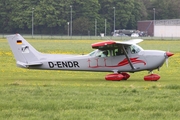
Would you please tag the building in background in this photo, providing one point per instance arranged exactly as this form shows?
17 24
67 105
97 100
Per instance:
161 28
146 26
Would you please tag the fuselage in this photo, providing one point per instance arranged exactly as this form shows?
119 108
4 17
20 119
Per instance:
142 60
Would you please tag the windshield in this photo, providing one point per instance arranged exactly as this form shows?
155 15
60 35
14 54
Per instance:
93 53
135 49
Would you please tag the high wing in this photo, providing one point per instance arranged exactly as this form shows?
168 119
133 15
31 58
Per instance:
115 44
134 41
110 43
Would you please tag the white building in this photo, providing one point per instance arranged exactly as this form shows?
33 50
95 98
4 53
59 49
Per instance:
161 28
167 28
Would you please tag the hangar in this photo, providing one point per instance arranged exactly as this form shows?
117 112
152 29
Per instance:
161 28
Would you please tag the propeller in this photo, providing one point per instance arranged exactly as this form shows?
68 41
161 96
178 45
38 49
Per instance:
166 62
168 54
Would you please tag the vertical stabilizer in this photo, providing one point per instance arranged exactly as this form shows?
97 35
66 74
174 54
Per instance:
22 50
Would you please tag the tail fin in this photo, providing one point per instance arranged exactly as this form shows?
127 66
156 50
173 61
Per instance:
23 52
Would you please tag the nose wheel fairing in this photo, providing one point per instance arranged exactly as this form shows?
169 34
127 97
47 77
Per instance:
152 77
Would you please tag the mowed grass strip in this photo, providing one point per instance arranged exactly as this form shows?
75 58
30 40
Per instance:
35 94
89 102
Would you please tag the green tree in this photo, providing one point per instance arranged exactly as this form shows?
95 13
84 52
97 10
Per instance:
138 13
127 12
81 26
165 9
7 16
52 16
87 10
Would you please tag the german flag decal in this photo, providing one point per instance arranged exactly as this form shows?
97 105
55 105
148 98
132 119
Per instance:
19 41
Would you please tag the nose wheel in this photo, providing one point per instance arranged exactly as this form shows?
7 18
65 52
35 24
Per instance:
152 77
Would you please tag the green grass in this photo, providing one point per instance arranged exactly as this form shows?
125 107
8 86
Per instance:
67 95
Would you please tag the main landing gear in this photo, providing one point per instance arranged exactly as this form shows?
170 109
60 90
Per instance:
117 76
125 76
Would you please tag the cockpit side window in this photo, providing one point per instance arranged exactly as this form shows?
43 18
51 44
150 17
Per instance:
118 51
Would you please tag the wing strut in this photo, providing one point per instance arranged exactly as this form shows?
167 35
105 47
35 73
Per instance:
128 58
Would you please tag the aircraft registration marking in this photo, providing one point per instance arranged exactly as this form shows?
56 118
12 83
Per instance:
64 64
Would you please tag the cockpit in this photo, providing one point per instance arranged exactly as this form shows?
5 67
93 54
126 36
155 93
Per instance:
116 51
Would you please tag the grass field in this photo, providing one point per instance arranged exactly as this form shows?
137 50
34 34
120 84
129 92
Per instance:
66 95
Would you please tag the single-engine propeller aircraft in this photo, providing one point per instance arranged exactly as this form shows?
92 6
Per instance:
109 56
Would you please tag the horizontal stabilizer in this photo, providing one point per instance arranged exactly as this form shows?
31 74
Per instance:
34 64
21 64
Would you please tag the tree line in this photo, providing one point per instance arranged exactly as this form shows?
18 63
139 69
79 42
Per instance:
88 17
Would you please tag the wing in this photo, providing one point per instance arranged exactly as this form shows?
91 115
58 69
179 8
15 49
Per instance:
110 43
133 41
103 44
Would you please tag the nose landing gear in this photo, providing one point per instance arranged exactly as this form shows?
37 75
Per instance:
152 77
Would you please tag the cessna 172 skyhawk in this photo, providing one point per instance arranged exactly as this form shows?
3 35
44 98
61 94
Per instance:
109 56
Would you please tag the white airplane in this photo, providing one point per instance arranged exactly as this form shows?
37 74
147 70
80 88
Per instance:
109 56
